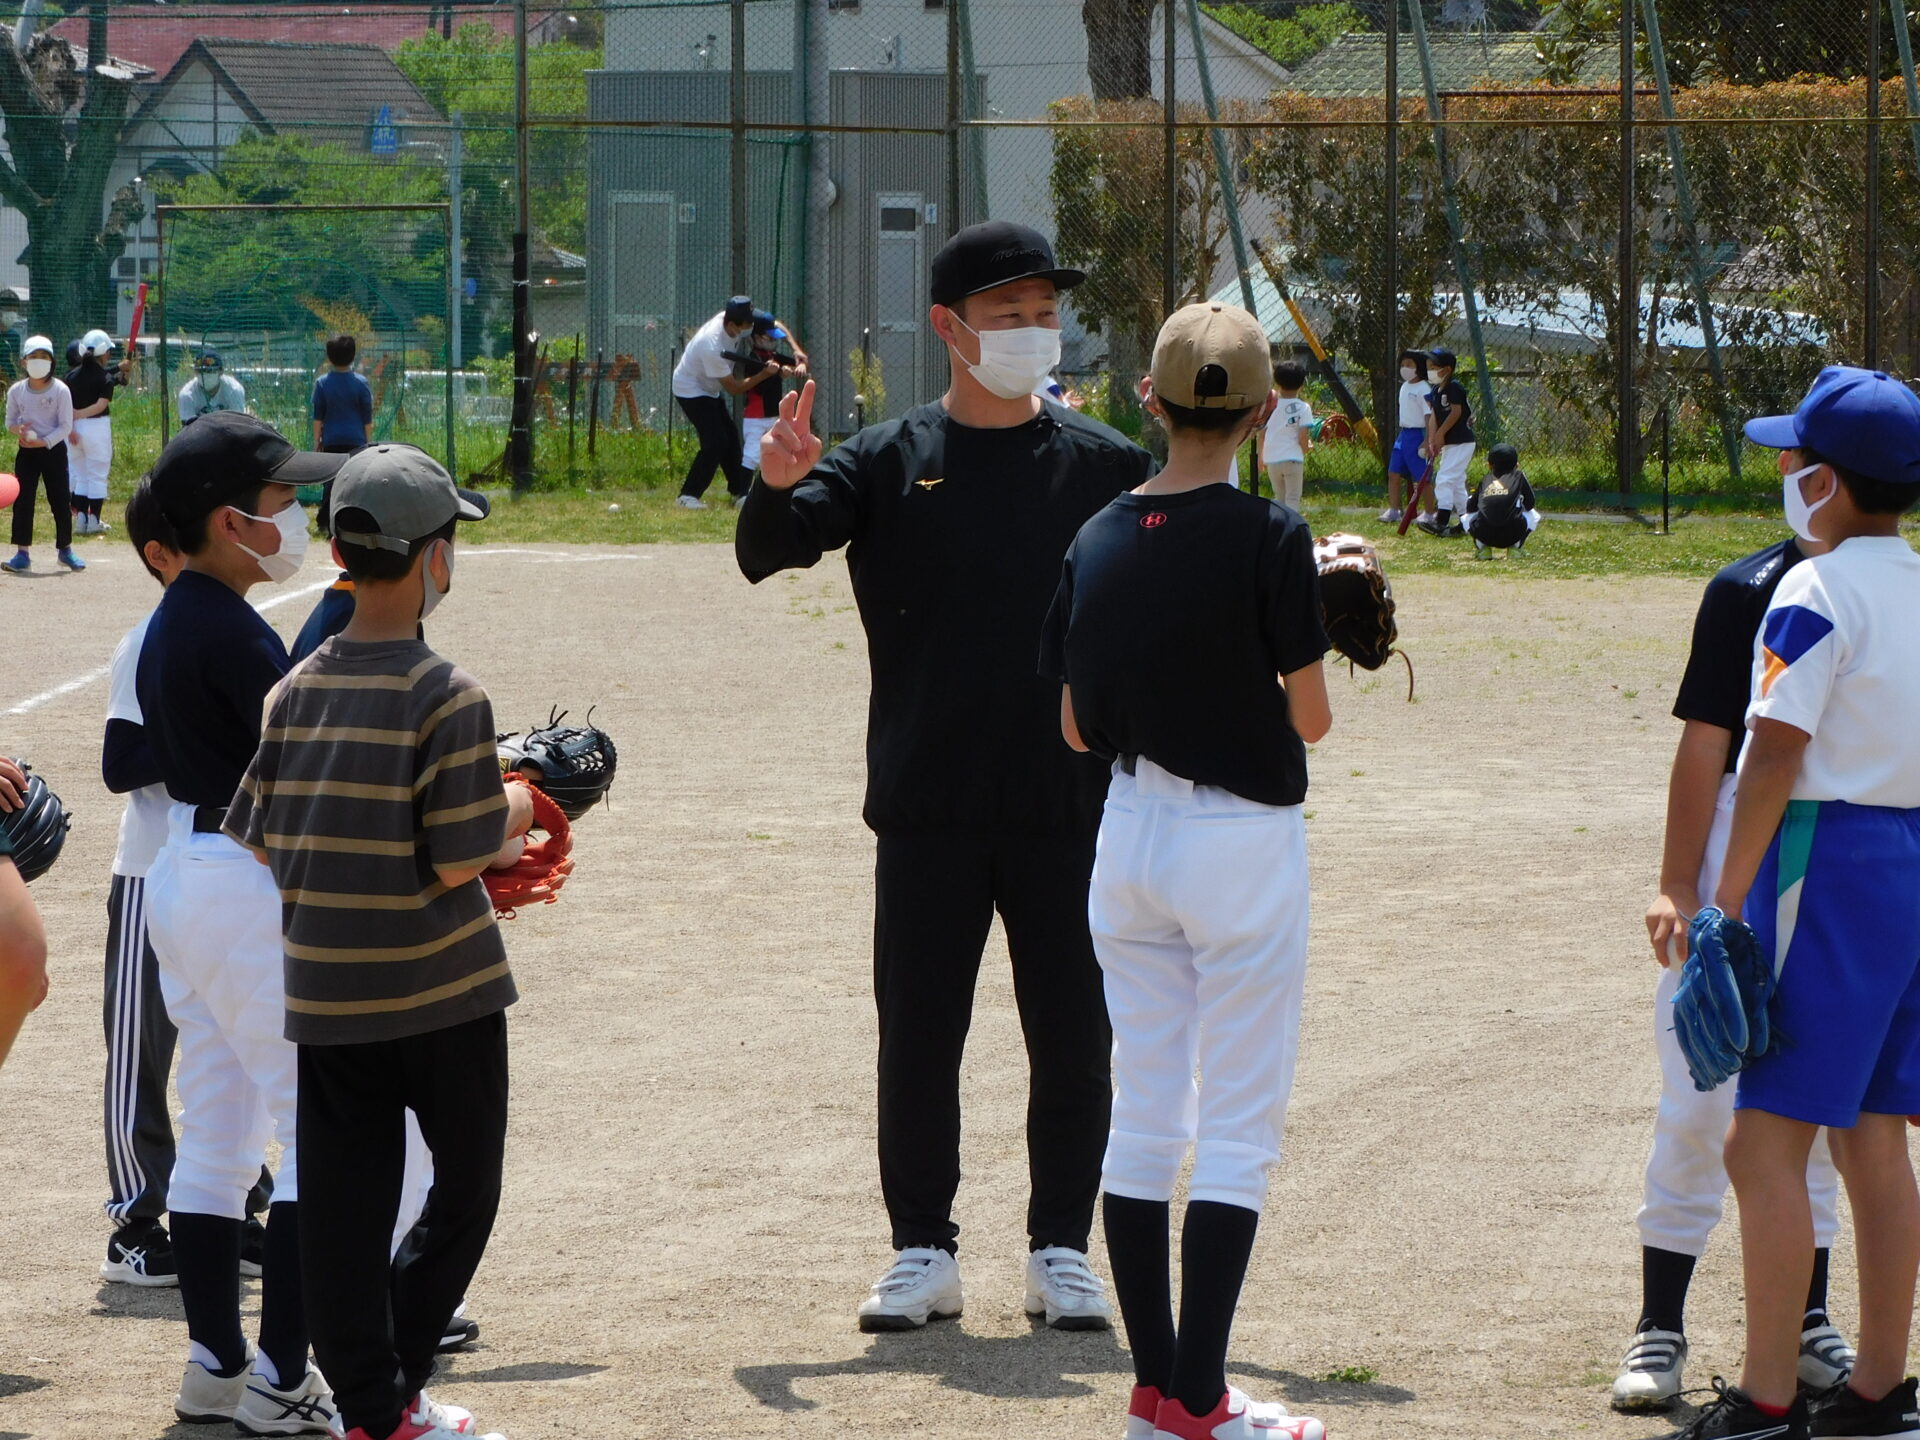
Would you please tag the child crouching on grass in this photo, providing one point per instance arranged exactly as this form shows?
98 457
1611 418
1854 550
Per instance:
1502 512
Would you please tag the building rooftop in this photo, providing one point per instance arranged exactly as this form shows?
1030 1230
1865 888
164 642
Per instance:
1356 63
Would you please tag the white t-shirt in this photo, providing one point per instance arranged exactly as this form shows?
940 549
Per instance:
1836 657
706 359
1282 440
143 824
1415 407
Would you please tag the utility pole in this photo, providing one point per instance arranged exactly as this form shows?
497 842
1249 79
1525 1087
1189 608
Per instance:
1627 458
520 435
1170 191
738 166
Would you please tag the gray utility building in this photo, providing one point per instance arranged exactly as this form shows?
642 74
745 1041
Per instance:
659 221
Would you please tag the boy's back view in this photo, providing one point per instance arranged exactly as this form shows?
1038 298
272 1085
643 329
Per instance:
1187 633
342 402
376 800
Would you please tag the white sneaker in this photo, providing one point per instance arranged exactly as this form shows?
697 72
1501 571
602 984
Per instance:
306 1409
1389 517
1062 1286
1649 1376
1236 1418
207 1399
1825 1357
690 502
923 1285
425 1410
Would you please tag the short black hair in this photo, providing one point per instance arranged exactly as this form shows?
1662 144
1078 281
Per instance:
341 349
1419 359
144 522
1201 422
1289 374
366 562
1503 459
192 534
1870 496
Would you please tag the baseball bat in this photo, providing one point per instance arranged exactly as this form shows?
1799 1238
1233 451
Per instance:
1420 487
1363 427
139 314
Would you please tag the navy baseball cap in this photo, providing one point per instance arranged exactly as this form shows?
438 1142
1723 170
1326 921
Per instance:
1862 420
739 310
1444 358
995 253
765 324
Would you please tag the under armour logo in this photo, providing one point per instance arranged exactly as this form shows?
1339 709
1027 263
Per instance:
1153 519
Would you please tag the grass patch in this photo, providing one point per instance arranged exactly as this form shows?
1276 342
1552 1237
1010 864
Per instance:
1352 1375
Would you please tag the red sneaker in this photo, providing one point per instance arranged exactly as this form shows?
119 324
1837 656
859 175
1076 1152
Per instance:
1141 1411
1235 1418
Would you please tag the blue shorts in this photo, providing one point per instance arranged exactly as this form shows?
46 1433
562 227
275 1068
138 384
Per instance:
1846 1015
1406 458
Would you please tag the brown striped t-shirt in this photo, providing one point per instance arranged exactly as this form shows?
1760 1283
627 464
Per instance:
377 762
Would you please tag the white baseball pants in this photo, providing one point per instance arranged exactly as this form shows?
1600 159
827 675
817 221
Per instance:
90 457
753 430
213 915
1450 477
1199 916
1686 1186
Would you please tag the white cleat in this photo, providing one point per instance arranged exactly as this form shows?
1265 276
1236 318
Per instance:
1062 1286
923 1284
690 502
1649 1376
1825 1358
306 1409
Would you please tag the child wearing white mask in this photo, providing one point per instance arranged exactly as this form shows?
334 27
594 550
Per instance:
1408 461
210 391
40 415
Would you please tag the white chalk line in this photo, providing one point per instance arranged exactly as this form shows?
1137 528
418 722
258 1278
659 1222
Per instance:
274 602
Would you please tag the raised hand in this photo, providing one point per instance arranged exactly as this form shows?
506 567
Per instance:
790 450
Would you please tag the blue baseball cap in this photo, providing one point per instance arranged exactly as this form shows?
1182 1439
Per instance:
1862 420
765 324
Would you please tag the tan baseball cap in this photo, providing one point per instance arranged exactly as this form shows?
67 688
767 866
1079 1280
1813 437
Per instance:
1212 357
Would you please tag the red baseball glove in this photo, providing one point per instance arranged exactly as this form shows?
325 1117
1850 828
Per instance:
543 867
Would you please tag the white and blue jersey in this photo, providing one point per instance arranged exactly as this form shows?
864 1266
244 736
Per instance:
1837 901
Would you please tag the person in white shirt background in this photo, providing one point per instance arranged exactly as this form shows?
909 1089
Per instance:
211 389
1288 436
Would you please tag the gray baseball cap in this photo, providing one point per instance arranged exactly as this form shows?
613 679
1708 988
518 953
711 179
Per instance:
408 493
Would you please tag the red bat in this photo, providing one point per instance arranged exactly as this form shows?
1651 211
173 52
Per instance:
139 314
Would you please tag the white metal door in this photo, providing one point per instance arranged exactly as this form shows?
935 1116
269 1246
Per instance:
641 303
899 289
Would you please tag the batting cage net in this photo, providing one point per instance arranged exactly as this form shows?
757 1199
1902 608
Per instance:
262 289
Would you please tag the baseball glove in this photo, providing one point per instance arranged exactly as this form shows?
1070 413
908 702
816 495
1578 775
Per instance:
1720 1009
1356 603
574 764
37 829
536 877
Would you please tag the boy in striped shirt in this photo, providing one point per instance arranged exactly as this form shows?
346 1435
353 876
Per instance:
376 800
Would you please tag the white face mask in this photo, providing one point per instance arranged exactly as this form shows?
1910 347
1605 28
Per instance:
39 367
284 563
1012 362
1409 374
433 594
210 381
1799 513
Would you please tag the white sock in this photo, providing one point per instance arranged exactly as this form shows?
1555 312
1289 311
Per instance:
267 1370
201 1355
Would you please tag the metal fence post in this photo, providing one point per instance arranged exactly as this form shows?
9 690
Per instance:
1628 440
1390 327
737 178
519 464
1170 149
1870 339
952 217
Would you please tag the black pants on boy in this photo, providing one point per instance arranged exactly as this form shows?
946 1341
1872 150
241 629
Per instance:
936 894
375 1326
33 467
712 421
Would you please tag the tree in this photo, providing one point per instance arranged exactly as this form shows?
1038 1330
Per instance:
1119 47
63 114
1746 42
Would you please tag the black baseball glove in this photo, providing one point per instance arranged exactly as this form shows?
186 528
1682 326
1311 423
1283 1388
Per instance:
1356 603
36 829
573 764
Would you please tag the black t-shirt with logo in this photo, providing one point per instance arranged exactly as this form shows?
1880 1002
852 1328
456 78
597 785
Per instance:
1502 498
1719 677
954 538
1176 616
1448 398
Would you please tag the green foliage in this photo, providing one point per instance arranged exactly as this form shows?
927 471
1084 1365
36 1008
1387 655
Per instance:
1353 1374
472 73
869 382
1289 39
1751 43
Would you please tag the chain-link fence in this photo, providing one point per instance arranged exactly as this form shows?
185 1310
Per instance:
1625 269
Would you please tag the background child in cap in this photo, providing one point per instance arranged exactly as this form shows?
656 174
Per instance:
768 369
1288 436
92 382
1200 927
40 415
393 1006
1408 460
1451 446
1501 514
1824 861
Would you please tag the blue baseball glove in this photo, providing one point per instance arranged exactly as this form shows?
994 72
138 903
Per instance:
1720 1009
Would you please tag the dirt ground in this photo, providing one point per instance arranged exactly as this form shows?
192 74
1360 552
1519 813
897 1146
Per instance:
692 1209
